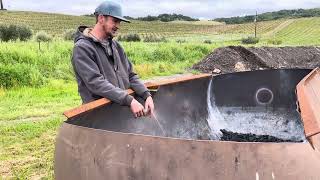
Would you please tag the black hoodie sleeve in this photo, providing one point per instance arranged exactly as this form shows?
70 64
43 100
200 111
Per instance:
85 66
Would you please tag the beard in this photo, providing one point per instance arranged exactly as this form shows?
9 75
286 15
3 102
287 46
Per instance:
110 33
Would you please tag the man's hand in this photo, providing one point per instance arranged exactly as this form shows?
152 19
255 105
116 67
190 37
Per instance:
136 108
149 106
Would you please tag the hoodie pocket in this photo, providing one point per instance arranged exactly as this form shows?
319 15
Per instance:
125 80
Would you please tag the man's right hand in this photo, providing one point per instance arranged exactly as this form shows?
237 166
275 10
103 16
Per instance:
136 108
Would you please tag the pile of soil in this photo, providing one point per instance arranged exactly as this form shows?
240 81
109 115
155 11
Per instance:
239 137
237 58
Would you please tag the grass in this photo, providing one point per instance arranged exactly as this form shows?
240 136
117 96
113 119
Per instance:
23 64
304 31
158 59
28 125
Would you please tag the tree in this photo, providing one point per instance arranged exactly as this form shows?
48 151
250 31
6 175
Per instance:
42 36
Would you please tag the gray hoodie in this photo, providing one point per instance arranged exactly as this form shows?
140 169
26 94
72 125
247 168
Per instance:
101 74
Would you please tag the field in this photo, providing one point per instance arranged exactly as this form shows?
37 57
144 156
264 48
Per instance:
302 31
38 85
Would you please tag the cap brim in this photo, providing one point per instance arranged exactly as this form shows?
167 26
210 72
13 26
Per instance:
118 17
122 19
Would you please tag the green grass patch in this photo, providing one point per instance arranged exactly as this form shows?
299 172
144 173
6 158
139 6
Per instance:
28 124
23 64
304 31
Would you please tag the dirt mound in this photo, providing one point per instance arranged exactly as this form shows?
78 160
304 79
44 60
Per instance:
237 58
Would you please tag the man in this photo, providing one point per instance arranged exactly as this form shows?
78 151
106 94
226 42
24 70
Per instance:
101 66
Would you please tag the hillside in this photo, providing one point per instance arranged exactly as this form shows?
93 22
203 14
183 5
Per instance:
301 31
56 24
269 16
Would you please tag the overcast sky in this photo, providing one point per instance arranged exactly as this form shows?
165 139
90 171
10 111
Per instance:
207 9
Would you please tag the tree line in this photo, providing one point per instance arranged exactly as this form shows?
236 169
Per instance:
161 17
295 13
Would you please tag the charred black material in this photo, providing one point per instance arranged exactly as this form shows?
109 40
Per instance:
240 137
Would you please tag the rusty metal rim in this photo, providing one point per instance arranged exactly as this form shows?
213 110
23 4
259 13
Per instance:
311 126
309 76
308 115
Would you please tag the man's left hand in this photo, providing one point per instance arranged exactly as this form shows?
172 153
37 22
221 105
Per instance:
149 106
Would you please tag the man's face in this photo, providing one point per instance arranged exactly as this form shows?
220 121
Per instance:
110 25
